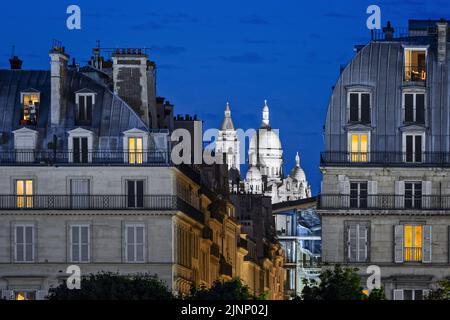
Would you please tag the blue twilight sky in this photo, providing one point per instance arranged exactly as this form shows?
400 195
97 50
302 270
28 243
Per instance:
208 52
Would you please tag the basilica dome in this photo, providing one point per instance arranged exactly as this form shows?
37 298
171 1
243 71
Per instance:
253 174
297 172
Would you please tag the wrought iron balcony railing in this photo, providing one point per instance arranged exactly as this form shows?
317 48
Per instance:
413 254
385 158
98 202
385 201
84 158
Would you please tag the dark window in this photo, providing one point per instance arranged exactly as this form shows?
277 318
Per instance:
360 107
80 150
135 193
413 195
415 108
358 194
84 109
413 148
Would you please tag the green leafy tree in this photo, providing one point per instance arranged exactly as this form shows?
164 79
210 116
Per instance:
112 286
338 284
224 290
440 293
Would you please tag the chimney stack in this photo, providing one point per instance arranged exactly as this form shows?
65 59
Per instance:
131 80
15 63
442 29
388 31
58 70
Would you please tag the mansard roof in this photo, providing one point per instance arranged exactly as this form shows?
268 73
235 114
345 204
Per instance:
111 115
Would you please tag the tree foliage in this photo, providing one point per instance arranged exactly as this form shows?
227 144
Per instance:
339 284
440 293
224 290
112 286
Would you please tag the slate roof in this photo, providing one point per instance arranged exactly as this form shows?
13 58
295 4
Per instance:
111 115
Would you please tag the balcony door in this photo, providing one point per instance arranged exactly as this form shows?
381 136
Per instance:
80 150
79 190
359 147
135 193
135 148
413 147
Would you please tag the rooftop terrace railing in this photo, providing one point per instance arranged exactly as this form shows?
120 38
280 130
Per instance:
385 158
91 157
384 202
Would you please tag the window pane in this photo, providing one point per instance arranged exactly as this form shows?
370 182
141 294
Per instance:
29 235
354 107
29 252
420 108
75 234
130 235
418 148
20 187
20 234
130 253
140 252
88 115
365 107
84 235
409 107
139 234
85 252
75 252
409 148
81 108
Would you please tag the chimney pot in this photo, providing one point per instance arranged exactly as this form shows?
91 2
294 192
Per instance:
388 31
15 63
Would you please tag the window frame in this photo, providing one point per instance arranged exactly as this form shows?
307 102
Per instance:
360 155
413 225
126 244
414 134
25 225
71 242
29 92
25 196
360 93
414 92
84 95
358 196
406 63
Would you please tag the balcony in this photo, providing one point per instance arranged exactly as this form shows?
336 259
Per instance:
385 159
97 202
384 202
88 158
225 268
215 250
413 254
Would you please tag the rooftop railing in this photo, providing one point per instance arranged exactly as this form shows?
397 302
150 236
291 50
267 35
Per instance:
84 158
384 202
386 158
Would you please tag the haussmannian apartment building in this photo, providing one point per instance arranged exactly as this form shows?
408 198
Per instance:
385 197
86 179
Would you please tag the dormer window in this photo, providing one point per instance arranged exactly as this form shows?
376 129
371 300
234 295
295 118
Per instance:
85 100
135 144
29 99
359 107
415 68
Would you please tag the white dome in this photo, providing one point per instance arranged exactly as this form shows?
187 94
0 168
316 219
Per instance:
298 174
253 174
267 139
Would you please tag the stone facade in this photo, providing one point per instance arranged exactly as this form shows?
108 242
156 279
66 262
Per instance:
384 197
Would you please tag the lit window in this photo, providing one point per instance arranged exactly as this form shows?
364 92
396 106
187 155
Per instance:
135 150
413 242
24 295
30 102
359 147
415 65
24 193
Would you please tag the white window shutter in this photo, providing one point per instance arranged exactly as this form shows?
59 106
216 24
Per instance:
7 295
426 194
398 243
362 243
398 294
372 190
344 190
426 244
352 243
399 194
